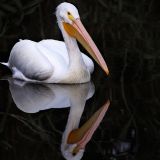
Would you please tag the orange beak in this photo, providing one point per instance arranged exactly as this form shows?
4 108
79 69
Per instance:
77 30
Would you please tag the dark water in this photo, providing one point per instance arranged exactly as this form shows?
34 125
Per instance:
111 118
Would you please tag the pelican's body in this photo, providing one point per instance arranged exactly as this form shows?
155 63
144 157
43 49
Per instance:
52 61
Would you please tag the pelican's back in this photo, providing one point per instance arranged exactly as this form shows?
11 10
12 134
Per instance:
27 59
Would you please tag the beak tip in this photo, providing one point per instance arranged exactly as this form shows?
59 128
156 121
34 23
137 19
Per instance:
107 71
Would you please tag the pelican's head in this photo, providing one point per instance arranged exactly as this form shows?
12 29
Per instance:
65 12
68 18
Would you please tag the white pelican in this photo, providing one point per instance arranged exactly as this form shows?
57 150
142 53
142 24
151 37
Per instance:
52 61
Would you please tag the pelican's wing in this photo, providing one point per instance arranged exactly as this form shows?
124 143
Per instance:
56 47
30 60
59 48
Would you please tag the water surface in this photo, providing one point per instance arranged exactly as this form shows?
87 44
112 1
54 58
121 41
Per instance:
107 120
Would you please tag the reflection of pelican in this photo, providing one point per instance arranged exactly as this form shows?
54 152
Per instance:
53 61
31 98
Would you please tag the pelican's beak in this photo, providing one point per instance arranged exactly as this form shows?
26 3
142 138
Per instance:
77 30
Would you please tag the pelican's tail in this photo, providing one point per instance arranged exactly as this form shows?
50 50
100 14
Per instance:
5 74
6 64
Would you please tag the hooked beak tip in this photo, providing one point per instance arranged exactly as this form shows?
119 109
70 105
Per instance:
107 72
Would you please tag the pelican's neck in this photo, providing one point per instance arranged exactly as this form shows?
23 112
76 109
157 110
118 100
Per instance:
77 71
75 56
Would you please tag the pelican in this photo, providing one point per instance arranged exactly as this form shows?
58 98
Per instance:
53 61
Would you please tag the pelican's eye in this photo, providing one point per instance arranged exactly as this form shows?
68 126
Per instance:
70 16
68 13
